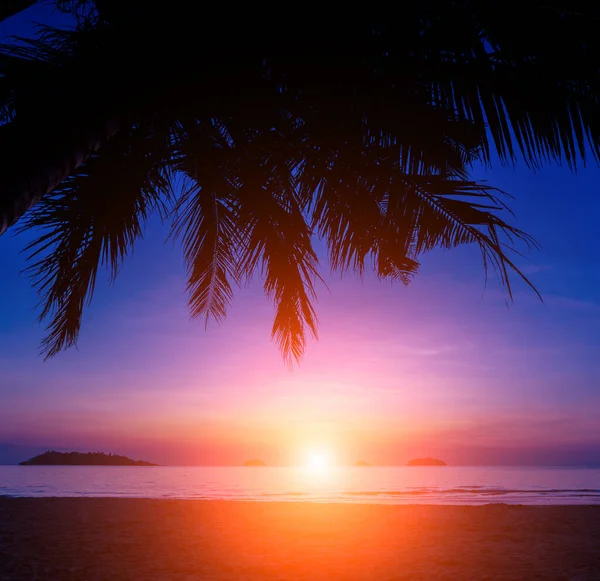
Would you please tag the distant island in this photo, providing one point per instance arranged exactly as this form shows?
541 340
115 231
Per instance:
426 462
52 458
361 463
254 462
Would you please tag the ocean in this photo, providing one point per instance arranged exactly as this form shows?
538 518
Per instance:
379 485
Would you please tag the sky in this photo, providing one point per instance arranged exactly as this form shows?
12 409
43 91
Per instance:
440 368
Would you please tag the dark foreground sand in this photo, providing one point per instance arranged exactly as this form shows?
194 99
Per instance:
114 539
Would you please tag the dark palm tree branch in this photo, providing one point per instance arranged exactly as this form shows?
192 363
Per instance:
45 142
365 136
92 220
9 8
448 222
207 222
278 243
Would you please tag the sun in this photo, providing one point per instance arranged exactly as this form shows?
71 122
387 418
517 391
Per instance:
318 460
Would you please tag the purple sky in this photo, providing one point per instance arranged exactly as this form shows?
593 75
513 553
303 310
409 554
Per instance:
440 368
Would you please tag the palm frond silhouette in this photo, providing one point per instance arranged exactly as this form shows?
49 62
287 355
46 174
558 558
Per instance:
255 133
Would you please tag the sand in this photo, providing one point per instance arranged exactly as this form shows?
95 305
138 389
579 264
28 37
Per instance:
147 540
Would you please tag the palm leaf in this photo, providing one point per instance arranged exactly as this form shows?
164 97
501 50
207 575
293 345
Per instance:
274 238
529 95
207 222
47 140
365 137
92 220
9 8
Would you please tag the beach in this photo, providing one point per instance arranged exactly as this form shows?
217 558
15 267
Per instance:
142 539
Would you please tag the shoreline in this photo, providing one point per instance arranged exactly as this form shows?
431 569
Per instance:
296 500
154 539
366 499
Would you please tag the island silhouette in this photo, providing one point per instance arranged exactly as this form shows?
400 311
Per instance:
254 462
361 463
426 462
52 458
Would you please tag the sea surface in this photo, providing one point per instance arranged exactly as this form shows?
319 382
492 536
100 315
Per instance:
380 485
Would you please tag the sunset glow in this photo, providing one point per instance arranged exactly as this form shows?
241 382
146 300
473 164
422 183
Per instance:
434 369
318 460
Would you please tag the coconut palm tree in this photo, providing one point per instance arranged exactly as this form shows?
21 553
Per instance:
256 132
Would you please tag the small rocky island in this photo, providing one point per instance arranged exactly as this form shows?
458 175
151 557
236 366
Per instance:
426 462
254 462
361 463
52 458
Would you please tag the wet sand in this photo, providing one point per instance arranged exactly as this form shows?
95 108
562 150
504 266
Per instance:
148 540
